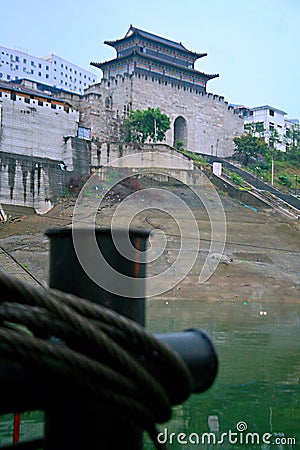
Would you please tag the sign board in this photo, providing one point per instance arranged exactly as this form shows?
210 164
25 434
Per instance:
84 133
217 168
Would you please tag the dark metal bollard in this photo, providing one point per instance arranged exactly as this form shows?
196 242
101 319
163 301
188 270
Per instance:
71 426
67 274
198 352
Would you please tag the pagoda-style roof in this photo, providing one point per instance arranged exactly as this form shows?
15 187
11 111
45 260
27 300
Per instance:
138 54
141 34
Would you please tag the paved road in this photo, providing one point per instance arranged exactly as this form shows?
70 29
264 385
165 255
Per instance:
256 182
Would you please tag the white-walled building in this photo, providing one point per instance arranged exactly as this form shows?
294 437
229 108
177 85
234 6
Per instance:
51 70
266 120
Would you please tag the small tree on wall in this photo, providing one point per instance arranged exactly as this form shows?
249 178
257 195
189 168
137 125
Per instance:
149 124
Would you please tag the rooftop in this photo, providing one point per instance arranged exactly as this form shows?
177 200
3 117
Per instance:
133 31
258 108
30 88
139 54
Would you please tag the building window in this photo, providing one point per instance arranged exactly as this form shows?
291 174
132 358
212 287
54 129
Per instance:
47 75
8 77
1 75
27 100
24 60
32 63
55 62
259 127
17 67
40 103
70 69
13 96
32 71
39 74
271 126
271 112
47 67
24 69
17 59
53 106
40 65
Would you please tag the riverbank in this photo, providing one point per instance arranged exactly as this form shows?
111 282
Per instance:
260 263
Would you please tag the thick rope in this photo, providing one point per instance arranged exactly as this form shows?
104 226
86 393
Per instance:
110 357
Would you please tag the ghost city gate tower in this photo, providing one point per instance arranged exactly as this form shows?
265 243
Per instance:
151 71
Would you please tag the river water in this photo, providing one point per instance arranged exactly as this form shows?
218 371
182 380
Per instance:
255 398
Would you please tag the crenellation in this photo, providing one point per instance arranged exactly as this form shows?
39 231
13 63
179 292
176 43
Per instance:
203 113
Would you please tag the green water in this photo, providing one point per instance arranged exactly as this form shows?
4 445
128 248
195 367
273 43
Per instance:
258 380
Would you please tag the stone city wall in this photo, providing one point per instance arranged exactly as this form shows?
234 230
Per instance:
38 150
209 123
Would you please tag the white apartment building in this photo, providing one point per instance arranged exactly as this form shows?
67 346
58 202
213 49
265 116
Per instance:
51 70
268 120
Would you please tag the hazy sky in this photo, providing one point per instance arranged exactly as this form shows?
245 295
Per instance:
253 45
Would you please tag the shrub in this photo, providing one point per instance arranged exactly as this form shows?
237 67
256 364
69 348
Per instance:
237 179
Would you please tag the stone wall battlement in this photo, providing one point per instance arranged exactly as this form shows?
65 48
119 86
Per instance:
204 122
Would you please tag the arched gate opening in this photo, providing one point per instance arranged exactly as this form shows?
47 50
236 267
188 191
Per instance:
180 132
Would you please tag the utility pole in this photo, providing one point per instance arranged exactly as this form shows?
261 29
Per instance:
155 131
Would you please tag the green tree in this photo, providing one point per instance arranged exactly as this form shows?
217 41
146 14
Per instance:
255 128
149 124
293 155
248 147
274 139
293 145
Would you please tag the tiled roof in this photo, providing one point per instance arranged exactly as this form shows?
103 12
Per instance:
138 54
159 39
153 37
16 87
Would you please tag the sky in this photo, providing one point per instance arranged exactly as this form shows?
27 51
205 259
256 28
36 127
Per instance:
253 45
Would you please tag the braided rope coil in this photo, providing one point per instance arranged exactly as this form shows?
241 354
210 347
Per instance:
107 356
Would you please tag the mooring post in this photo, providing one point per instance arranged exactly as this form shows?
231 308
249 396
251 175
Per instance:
71 426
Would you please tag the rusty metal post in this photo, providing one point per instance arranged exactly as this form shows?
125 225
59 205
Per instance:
69 426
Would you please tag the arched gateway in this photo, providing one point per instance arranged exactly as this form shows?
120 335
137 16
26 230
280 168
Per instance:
180 131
